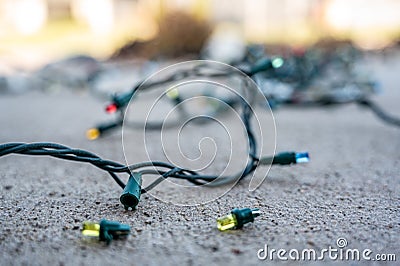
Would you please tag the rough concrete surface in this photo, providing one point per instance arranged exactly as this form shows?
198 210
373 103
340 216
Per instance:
350 189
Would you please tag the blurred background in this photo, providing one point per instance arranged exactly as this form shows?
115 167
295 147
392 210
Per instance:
61 62
106 46
35 32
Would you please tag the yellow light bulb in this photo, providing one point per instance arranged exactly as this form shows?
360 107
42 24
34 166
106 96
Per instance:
92 133
91 229
227 222
173 93
237 218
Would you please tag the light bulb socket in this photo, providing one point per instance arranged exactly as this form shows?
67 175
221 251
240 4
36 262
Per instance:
130 197
244 216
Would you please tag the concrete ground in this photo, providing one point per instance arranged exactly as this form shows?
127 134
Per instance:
350 189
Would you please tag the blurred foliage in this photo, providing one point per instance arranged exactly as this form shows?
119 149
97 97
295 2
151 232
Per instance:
180 34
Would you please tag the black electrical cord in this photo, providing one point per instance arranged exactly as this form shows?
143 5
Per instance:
364 102
165 170
120 101
132 188
378 111
66 153
263 65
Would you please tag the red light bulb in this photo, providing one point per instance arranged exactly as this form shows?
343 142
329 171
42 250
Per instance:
111 108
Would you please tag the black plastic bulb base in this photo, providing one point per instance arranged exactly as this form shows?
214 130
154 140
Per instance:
110 230
244 216
130 197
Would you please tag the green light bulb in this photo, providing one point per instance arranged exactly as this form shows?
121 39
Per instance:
277 62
